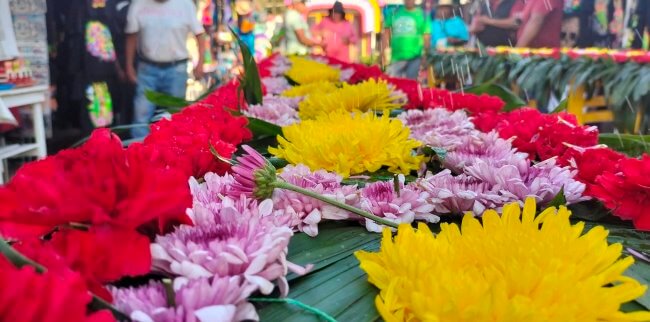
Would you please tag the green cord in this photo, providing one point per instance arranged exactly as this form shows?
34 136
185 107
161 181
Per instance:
297 303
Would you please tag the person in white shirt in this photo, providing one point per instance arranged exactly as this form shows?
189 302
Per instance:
298 37
157 30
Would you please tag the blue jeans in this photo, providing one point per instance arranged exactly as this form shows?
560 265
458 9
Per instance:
405 68
170 80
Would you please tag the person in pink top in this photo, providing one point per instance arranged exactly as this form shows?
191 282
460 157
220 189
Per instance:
337 34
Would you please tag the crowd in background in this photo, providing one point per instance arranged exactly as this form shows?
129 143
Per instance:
109 53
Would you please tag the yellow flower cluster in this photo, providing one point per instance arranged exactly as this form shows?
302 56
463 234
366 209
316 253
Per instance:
306 71
311 88
507 269
349 143
370 95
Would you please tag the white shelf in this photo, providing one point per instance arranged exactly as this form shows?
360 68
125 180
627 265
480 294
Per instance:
34 98
14 150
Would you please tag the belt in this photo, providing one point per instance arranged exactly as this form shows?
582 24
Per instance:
162 64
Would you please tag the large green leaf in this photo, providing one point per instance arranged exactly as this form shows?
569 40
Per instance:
336 286
250 82
630 144
261 128
511 99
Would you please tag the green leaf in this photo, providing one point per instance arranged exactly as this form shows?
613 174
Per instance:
512 101
251 83
558 200
564 104
278 163
630 144
263 128
434 151
591 210
336 285
165 100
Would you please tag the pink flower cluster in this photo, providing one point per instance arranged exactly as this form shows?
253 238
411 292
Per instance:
491 171
277 110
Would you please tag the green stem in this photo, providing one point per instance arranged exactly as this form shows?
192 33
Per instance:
354 210
19 260
297 303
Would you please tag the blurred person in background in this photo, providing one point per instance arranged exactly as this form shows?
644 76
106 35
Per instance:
448 29
297 37
540 24
245 23
407 31
337 33
495 24
158 30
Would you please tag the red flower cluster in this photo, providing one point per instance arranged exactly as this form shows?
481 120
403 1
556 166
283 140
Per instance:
226 96
591 163
188 140
27 296
264 65
626 190
98 183
423 98
542 136
98 205
472 103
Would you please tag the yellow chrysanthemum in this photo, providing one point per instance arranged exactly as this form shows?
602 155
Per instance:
306 71
309 89
507 269
370 95
349 143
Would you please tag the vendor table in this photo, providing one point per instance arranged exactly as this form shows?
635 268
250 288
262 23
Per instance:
29 97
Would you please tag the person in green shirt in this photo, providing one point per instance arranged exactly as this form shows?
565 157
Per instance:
408 32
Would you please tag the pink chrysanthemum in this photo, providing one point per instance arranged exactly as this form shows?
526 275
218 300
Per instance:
200 300
211 193
543 181
280 66
278 110
307 212
233 243
275 85
438 127
254 175
458 194
403 206
487 147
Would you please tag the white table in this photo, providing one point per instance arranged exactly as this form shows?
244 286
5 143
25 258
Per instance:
32 97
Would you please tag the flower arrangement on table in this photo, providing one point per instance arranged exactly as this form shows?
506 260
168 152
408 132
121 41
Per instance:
196 223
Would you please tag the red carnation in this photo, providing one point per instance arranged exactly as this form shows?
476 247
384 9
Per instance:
544 136
94 184
411 88
264 65
627 193
101 255
591 163
226 96
27 296
187 139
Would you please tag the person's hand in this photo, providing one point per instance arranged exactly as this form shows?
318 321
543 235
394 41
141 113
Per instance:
131 75
478 25
198 72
